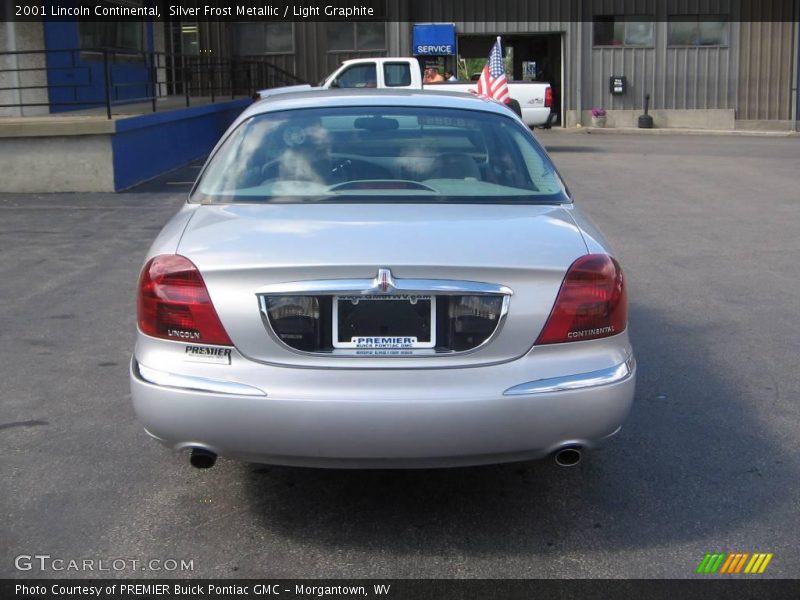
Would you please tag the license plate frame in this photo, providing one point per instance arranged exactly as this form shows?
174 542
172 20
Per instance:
355 345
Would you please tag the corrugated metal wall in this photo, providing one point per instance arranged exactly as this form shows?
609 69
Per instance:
313 61
766 61
752 74
675 78
496 15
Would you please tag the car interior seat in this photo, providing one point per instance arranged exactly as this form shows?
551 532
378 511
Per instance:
455 166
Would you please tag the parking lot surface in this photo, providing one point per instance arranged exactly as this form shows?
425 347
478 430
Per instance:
709 460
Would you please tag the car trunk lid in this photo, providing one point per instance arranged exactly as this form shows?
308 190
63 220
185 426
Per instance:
243 250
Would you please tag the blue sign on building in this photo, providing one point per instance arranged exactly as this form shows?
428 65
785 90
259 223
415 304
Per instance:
433 39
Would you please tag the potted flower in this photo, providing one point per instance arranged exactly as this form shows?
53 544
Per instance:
598 117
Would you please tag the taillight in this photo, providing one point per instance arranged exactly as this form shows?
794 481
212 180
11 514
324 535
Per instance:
548 97
592 302
173 303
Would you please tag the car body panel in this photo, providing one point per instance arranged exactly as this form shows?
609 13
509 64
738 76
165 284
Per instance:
170 235
399 418
596 242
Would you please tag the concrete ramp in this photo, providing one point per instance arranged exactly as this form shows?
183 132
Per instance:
90 153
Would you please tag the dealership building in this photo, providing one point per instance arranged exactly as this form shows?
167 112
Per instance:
707 64
718 64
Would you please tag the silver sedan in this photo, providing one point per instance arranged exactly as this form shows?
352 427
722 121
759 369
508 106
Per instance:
381 279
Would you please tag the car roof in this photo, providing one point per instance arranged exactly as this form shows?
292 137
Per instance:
372 97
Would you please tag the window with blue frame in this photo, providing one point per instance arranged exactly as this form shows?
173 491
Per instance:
120 36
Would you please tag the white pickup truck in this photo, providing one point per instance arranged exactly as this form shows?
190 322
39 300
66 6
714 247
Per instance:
531 100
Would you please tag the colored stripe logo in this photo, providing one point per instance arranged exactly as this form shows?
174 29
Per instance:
734 563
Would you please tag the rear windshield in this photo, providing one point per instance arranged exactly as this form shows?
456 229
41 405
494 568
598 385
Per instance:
383 154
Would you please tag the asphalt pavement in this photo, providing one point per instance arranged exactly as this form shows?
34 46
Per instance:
709 460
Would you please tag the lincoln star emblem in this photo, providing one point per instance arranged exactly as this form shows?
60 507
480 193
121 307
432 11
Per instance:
384 281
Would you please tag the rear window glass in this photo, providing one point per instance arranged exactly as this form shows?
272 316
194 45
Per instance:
372 154
396 74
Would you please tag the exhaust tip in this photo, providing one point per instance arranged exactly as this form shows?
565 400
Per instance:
202 458
568 457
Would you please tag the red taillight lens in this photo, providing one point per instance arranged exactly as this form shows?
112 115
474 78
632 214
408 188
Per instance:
591 304
173 303
548 97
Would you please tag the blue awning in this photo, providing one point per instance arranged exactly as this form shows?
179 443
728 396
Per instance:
433 39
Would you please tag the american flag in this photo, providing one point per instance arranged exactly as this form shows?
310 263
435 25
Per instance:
492 83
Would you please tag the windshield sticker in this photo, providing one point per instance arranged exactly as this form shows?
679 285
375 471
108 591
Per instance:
447 122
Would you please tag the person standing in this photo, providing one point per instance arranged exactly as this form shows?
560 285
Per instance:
432 75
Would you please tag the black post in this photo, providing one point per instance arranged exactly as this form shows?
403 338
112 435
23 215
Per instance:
153 78
74 87
645 120
232 71
185 79
250 91
211 71
107 83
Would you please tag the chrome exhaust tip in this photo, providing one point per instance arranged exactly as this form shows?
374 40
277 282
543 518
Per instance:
202 458
568 457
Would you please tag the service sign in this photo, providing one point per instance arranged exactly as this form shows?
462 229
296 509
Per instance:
434 39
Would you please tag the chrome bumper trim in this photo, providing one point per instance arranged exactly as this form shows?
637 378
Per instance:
193 383
616 374
352 287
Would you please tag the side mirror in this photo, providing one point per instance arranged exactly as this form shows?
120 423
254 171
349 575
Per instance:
334 83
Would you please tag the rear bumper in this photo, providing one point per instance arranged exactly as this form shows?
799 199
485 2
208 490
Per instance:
385 419
534 116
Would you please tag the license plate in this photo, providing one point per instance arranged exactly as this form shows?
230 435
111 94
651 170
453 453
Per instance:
384 322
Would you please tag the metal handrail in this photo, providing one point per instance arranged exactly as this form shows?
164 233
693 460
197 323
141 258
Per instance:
163 74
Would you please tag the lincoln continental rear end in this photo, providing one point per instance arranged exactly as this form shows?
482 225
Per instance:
381 279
